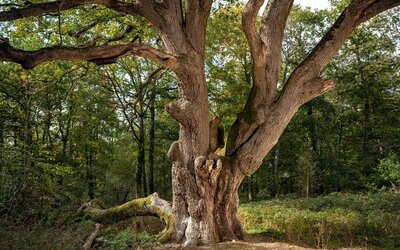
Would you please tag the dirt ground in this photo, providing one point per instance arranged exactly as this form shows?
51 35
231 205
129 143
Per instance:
251 243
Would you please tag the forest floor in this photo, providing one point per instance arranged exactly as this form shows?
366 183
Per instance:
335 221
250 243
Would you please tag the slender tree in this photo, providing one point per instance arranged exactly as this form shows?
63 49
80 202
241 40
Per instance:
205 183
131 94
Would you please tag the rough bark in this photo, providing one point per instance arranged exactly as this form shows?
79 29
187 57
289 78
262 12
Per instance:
104 54
205 184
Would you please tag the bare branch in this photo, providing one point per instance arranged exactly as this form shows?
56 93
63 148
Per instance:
83 30
100 55
107 40
249 119
149 81
377 7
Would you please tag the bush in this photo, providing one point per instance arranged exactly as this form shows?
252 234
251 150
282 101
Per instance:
389 171
126 239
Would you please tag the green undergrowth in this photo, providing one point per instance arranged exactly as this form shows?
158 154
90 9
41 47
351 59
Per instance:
135 233
332 221
37 236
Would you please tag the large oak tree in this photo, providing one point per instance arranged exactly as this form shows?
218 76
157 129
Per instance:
206 178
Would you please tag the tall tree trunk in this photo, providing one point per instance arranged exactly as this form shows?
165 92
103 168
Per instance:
313 137
1 144
312 132
250 193
89 174
275 191
152 140
141 184
28 137
46 133
365 119
64 134
365 137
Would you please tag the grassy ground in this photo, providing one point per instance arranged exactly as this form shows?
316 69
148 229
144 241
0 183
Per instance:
336 220
333 221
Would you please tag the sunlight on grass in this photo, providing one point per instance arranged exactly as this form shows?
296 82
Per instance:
336 220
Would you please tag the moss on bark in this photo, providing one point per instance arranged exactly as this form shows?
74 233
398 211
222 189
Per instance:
151 205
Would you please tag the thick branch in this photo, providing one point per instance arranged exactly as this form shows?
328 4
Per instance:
264 138
152 205
272 29
357 12
197 13
100 54
249 25
56 6
265 47
164 15
248 119
305 84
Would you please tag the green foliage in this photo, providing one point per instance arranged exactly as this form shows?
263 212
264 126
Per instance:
126 239
336 220
389 171
121 240
336 142
74 235
228 63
